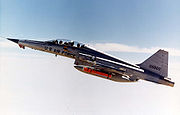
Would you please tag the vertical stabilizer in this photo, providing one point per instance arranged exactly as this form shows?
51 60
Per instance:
157 63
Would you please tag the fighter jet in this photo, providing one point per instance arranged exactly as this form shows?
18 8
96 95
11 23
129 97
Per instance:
94 62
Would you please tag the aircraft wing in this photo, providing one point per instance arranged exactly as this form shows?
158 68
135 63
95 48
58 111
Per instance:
109 68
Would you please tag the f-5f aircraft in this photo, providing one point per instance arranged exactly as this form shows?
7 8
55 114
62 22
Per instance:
91 61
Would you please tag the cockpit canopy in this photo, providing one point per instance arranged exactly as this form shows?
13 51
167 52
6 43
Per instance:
66 42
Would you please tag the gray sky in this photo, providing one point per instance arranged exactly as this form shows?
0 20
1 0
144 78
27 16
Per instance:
38 83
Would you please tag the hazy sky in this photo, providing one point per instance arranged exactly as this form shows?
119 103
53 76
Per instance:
38 83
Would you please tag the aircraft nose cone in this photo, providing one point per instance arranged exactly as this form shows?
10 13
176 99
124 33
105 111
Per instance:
13 40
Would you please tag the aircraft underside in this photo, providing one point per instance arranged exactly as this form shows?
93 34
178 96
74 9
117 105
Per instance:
97 63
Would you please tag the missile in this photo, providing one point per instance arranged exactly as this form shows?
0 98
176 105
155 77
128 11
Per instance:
92 71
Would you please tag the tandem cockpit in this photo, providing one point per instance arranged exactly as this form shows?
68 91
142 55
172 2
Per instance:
66 43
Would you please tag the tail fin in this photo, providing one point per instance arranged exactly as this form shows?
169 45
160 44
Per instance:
157 63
